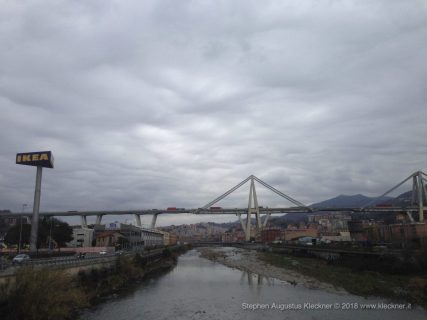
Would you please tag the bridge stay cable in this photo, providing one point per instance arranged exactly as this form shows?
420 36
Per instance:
226 193
297 203
281 194
387 192
419 174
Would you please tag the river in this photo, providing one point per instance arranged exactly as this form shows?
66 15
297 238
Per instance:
198 288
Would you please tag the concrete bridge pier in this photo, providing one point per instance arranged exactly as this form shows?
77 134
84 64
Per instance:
138 220
84 221
98 219
242 223
153 220
267 216
248 225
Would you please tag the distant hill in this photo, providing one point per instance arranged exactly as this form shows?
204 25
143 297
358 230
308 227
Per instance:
359 200
346 201
404 199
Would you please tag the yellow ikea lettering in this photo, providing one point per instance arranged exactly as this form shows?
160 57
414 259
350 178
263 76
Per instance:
35 157
26 157
18 158
43 156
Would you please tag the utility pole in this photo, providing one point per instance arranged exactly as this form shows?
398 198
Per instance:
50 234
20 229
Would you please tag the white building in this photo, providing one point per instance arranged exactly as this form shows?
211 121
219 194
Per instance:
82 237
152 237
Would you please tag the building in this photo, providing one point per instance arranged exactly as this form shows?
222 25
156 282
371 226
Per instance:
82 237
271 235
169 239
332 222
130 235
400 235
336 237
405 235
166 236
152 237
296 233
197 232
111 239
135 237
234 235
173 239
356 228
237 236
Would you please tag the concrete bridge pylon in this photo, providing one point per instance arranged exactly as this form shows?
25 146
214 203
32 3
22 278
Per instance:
253 207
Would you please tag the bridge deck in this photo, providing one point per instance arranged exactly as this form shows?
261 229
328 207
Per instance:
235 211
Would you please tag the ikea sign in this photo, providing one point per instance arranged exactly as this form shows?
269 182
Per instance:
38 159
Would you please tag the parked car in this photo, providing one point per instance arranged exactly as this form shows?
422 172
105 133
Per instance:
21 258
103 252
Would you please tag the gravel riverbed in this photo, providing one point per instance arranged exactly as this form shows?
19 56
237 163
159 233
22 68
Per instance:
249 261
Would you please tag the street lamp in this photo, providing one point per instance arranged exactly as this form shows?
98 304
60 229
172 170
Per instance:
50 234
20 229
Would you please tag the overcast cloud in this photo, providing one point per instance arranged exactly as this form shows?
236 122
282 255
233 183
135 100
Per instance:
151 104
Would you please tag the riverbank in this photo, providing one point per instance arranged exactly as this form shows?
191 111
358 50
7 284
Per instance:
201 289
317 274
249 260
57 294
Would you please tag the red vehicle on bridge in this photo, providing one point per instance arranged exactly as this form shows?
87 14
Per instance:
384 205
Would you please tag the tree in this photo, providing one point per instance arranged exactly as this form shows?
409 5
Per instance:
12 235
61 233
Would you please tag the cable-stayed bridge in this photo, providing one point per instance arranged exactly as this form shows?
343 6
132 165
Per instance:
417 205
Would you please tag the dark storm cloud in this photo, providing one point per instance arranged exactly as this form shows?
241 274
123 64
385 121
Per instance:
164 103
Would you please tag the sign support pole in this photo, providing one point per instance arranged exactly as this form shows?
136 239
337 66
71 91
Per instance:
36 207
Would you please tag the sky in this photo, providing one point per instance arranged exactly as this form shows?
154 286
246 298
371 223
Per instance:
154 104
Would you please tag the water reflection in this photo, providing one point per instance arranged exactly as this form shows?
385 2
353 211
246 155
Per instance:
255 280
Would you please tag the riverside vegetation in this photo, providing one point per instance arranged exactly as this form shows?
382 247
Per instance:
401 279
54 294
397 281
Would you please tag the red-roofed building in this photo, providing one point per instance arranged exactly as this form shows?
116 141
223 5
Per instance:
109 239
